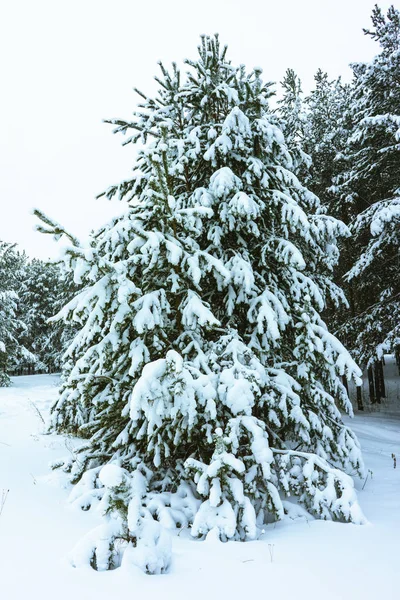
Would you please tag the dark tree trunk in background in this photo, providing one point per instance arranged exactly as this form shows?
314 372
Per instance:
371 385
382 379
377 377
345 383
397 355
360 404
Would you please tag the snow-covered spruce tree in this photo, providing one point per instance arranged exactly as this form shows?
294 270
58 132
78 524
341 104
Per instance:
291 110
43 291
8 298
11 326
203 376
326 133
369 187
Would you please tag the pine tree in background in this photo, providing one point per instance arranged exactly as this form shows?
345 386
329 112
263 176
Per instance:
203 376
316 132
369 189
11 350
291 110
42 293
326 134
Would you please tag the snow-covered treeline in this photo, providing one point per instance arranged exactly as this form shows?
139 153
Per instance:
350 136
31 293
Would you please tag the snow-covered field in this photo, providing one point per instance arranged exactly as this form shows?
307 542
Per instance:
296 559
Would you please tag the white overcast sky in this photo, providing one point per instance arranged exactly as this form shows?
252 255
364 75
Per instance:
66 65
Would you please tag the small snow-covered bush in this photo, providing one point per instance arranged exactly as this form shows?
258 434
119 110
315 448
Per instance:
131 529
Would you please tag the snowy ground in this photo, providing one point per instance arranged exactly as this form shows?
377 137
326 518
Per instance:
311 559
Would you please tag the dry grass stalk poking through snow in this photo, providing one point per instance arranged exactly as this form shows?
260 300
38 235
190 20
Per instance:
4 495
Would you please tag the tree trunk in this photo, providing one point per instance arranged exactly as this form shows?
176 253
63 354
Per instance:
382 379
377 377
360 404
397 355
345 383
371 385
